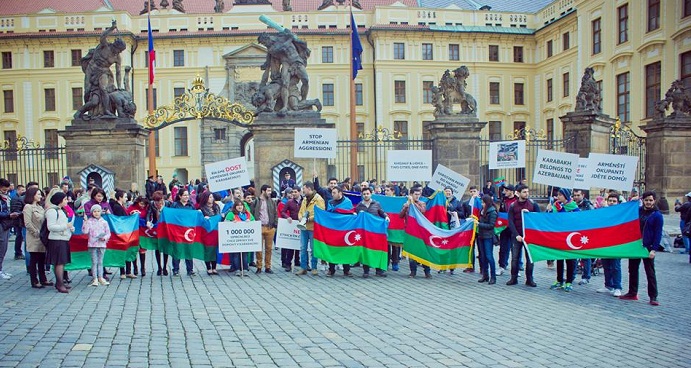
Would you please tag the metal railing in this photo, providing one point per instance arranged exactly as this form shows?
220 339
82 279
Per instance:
43 165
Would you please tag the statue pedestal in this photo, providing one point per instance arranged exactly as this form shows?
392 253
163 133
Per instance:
274 139
455 144
114 144
668 148
586 131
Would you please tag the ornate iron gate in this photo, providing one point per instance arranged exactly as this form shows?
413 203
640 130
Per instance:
24 160
372 151
623 141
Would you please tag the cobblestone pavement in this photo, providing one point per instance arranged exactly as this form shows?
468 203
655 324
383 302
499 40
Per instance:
289 321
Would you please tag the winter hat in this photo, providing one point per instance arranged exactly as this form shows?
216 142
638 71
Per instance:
57 198
96 207
566 193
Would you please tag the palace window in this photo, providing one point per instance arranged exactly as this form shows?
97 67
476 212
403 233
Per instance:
327 54
597 33
623 12
652 87
623 96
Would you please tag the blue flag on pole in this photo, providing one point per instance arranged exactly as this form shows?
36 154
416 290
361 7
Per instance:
356 52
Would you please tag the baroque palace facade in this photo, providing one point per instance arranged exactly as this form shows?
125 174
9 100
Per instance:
526 59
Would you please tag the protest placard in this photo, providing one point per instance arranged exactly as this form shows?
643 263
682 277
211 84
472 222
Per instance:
506 154
227 174
555 168
407 165
611 171
580 174
234 237
287 234
315 142
444 177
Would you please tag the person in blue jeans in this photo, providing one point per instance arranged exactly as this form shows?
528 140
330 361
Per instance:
488 217
311 201
584 204
612 267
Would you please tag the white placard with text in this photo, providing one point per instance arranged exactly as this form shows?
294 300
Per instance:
611 171
315 142
287 234
235 237
444 177
580 174
224 175
409 165
555 168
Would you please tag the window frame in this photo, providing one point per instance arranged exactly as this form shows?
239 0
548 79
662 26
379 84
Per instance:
519 94
181 144
566 40
596 28
399 51
427 92
7 59
653 87
653 15
454 52
494 99
76 57
48 58
359 95
493 51
178 58
623 81
427 50
550 90
77 98
566 84
623 24
328 94
8 101
550 48
399 91
518 57
49 103
327 54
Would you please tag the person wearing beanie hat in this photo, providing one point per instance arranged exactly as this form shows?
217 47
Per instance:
565 203
60 231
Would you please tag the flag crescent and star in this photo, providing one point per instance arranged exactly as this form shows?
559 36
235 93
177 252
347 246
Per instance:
347 240
189 235
583 240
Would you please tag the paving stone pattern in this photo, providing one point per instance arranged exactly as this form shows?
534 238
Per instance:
304 321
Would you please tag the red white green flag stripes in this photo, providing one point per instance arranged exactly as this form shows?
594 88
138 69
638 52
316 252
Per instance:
440 249
122 246
347 239
610 232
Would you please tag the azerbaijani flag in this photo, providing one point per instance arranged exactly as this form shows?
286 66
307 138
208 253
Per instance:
392 206
122 246
501 223
152 52
186 234
148 238
436 209
440 249
499 181
475 207
354 197
610 232
346 239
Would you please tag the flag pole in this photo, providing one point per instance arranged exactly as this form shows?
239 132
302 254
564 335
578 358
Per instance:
353 123
150 108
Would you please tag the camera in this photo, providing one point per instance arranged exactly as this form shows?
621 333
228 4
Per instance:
303 221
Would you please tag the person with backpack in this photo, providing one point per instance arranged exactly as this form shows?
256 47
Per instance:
60 232
34 216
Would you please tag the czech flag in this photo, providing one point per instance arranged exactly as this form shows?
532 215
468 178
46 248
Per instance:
347 239
152 52
610 232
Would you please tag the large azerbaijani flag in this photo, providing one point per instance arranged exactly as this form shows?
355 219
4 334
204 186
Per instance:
392 206
122 245
186 234
440 249
610 232
347 239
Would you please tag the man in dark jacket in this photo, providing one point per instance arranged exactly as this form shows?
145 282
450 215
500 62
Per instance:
651 222
516 226
373 207
150 187
325 193
684 210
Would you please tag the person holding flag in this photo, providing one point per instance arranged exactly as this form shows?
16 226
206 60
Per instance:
651 222
523 204
414 199
471 208
488 217
508 198
612 266
564 203
372 207
339 204
312 199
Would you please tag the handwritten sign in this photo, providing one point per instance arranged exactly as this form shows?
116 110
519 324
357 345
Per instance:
315 142
444 177
406 165
235 237
555 168
227 174
506 154
287 234
611 171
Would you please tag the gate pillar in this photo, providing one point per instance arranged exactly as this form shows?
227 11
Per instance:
274 142
586 132
668 148
455 144
115 144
